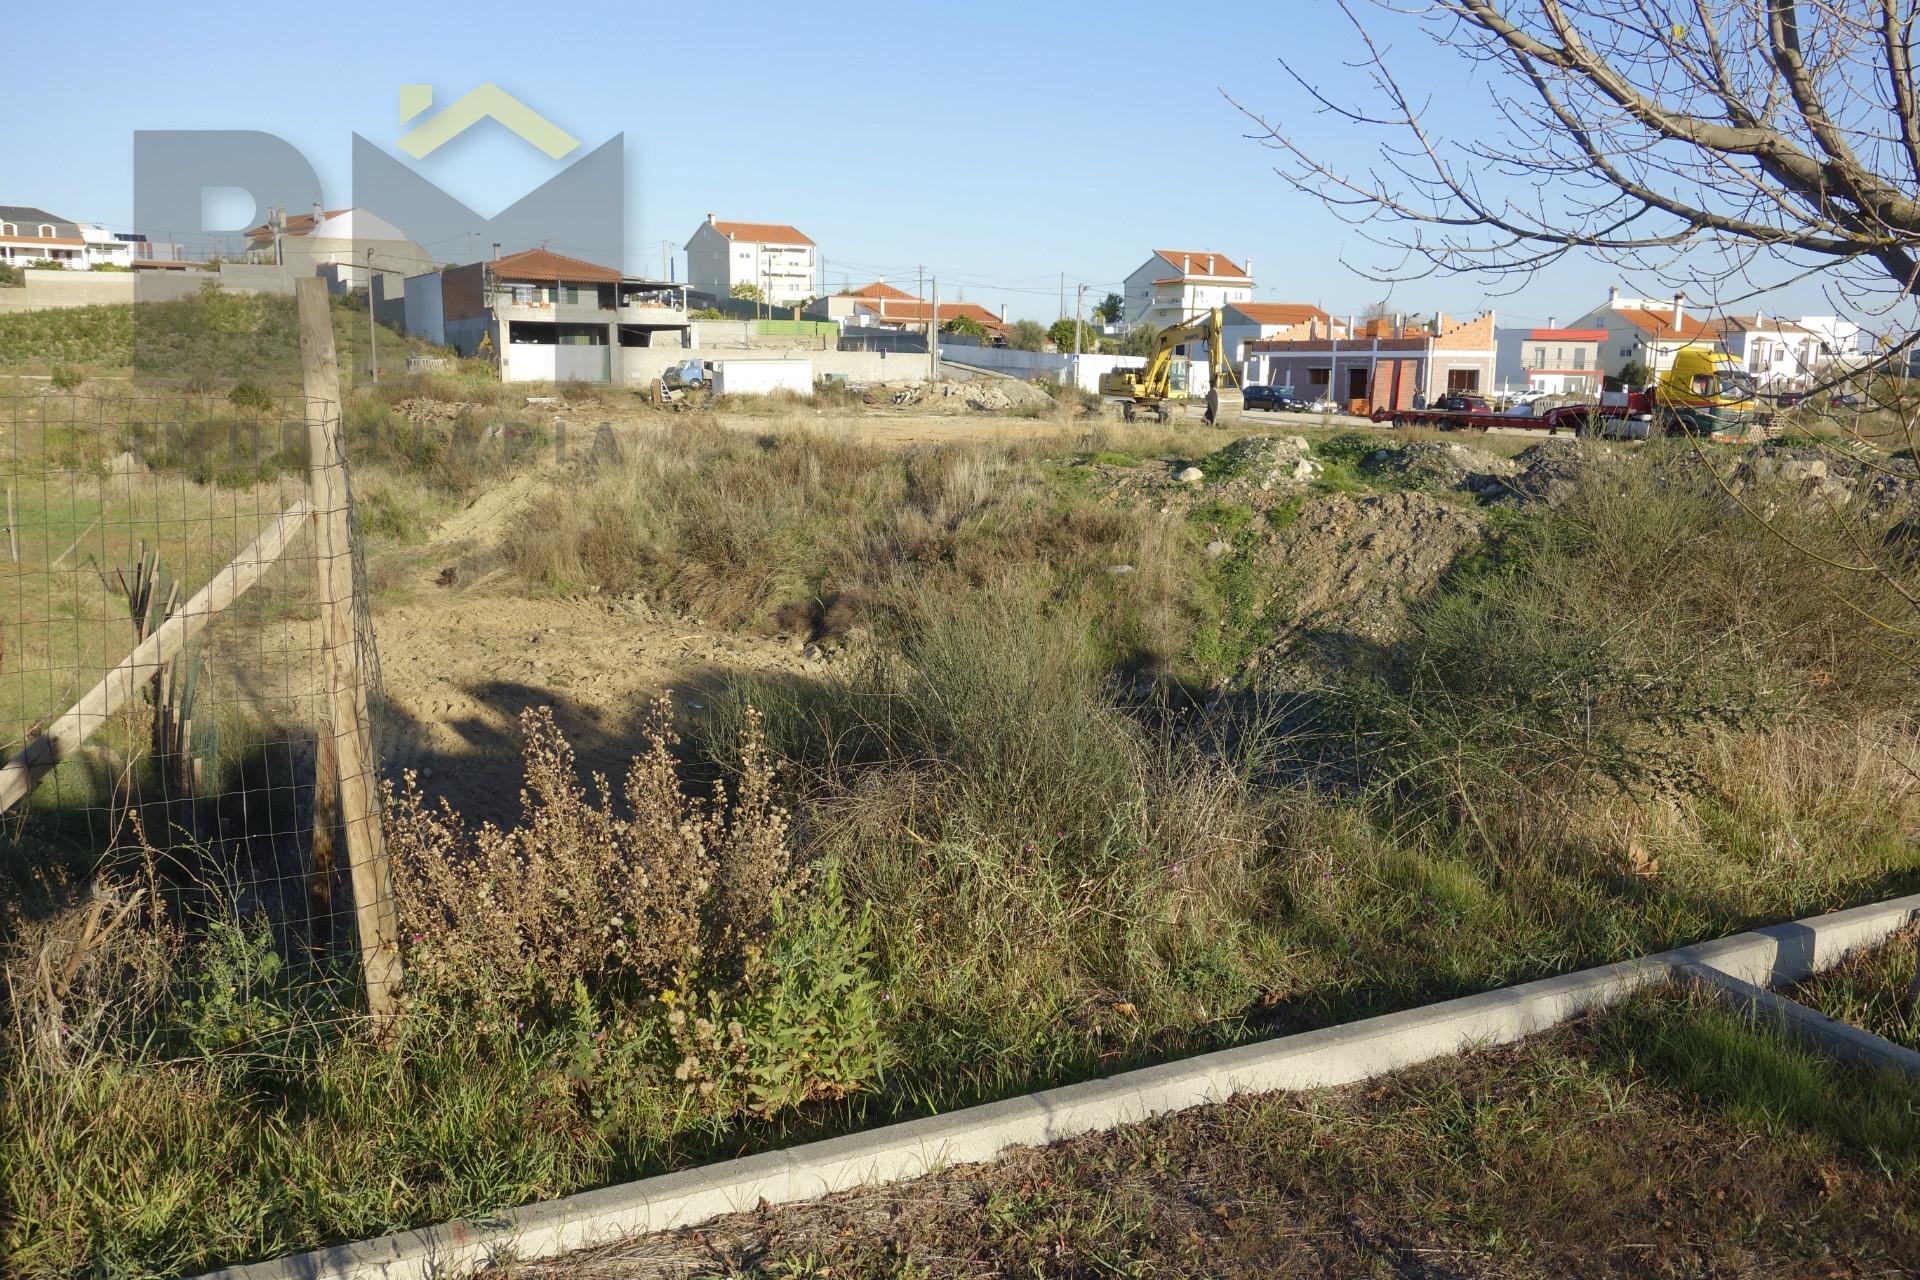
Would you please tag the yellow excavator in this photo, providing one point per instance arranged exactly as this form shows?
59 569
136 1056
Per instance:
1163 383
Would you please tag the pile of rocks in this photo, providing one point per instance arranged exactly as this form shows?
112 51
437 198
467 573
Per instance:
1436 465
1550 471
1258 462
985 395
422 410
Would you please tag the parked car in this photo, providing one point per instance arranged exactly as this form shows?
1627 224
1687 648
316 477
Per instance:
1272 399
1788 399
1461 402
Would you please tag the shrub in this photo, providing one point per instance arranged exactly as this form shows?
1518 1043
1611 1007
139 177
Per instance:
807 1027
11 276
579 896
250 395
66 379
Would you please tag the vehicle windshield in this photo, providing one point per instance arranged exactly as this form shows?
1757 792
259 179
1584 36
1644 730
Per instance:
1736 384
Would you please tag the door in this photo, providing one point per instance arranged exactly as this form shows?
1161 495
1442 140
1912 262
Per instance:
1357 383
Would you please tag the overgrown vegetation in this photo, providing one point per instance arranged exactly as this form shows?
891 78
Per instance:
1036 822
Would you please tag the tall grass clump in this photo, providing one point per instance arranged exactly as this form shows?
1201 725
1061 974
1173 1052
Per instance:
1055 881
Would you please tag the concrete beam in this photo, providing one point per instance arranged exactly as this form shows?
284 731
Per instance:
1313 1059
1831 1036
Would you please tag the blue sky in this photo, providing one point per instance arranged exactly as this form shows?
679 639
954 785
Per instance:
996 144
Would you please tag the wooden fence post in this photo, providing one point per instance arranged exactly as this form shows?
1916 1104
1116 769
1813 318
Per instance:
375 912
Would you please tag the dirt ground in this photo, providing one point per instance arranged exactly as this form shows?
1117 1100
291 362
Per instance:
1560 1157
464 650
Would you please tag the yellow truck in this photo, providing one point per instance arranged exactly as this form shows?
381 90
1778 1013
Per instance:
1703 392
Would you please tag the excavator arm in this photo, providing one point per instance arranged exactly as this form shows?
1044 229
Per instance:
1149 388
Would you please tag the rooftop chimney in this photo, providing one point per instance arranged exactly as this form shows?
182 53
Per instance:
1003 313
1613 295
1551 324
709 217
1679 311
318 213
1186 263
1209 264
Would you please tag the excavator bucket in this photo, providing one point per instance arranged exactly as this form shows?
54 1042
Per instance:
1224 405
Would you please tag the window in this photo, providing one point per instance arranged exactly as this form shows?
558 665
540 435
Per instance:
1580 358
1703 384
1559 357
1319 377
1626 351
1539 357
8 229
1463 379
46 231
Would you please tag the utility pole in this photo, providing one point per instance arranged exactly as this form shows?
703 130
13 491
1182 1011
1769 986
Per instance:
1079 308
933 339
1063 295
920 284
373 328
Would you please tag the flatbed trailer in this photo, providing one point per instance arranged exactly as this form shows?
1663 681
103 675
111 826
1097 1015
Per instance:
1576 418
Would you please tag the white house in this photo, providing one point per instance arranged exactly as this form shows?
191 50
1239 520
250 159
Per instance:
104 248
1176 284
1778 353
1644 329
1839 339
775 258
28 235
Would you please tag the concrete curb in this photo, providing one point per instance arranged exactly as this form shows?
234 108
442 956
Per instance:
1829 1035
1313 1059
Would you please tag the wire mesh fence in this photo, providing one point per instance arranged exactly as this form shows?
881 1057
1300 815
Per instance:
182 610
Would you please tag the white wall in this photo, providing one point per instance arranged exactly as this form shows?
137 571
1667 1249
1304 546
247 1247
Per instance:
758 377
638 366
561 362
1050 365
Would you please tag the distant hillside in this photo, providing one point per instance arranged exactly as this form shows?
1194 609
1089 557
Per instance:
215 334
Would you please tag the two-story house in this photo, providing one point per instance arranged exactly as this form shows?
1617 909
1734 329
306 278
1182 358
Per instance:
773 257
28 235
546 317
1175 285
1556 362
1777 353
1646 330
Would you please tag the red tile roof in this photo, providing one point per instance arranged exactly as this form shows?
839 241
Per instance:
881 289
913 311
1660 323
542 265
1566 335
761 232
1278 312
1197 264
